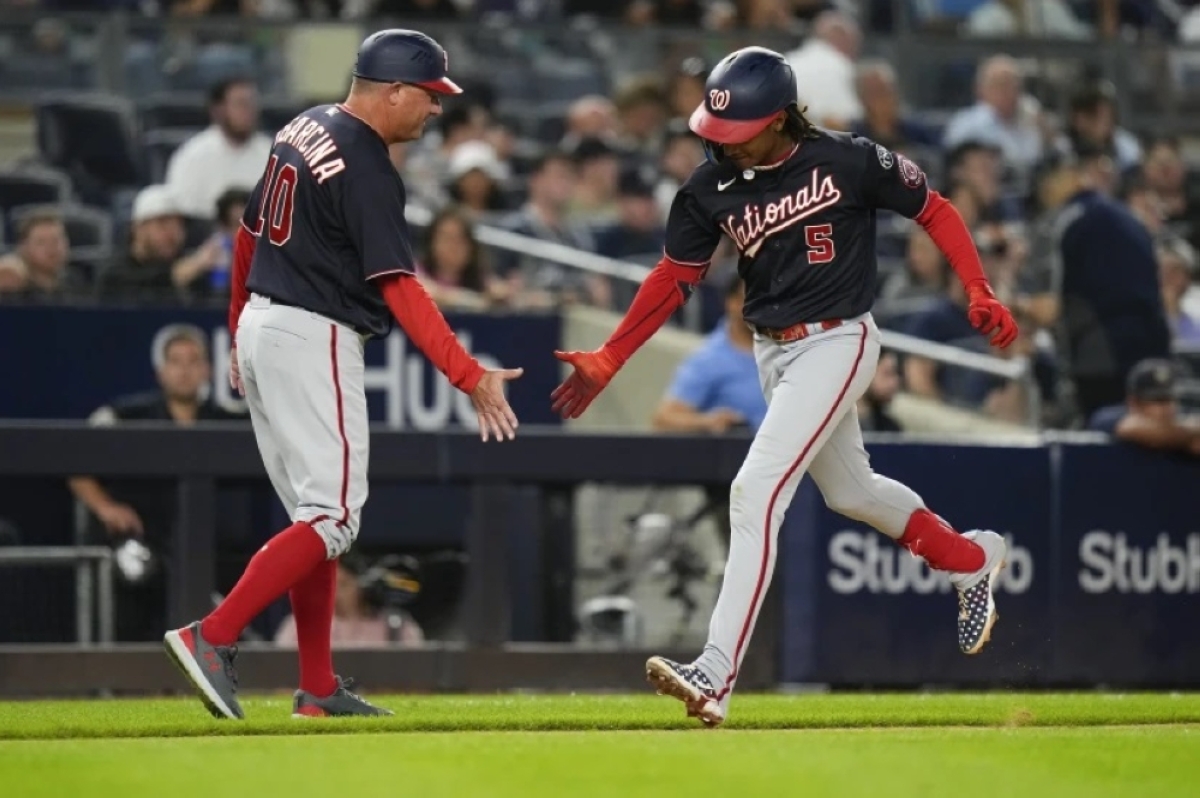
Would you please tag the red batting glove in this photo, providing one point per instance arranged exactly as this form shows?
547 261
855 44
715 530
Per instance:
989 316
593 370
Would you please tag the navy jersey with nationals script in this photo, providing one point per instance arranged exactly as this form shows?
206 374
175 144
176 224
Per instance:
804 228
329 217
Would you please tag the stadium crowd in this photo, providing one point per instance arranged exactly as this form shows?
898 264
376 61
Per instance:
1088 229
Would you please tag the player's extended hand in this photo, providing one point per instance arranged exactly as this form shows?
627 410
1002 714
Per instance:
988 315
495 416
235 375
593 371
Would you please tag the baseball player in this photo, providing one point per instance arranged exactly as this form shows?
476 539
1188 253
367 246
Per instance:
800 203
322 262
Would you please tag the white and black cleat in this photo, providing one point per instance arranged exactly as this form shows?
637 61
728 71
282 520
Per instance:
688 684
976 600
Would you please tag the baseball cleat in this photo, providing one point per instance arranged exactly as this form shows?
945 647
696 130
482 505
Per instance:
209 668
976 601
688 684
341 704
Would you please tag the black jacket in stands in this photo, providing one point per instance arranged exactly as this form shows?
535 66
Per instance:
329 217
805 228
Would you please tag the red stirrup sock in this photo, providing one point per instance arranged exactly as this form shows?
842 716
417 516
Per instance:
312 607
935 541
282 562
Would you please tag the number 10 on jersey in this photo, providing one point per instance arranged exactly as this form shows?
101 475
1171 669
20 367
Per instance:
278 202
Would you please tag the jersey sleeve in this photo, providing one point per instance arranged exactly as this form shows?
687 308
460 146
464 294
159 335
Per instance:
373 213
692 237
891 181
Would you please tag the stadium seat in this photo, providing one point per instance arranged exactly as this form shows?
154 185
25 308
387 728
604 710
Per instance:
159 145
30 186
93 138
174 110
274 114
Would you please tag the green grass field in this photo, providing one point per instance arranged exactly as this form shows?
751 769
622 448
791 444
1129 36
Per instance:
892 746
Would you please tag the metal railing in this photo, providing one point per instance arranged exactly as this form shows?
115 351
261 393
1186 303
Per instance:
94 600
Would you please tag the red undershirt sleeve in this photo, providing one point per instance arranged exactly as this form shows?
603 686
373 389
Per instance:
426 327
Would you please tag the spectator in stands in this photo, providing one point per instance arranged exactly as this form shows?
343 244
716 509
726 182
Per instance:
1177 265
1050 19
1149 415
945 322
476 175
923 281
824 68
541 282
681 13
452 266
1112 313
1002 117
592 116
686 89
642 114
881 120
1092 123
873 415
761 15
43 253
355 622
211 282
639 232
154 267
594 201
414 10
427 162
146 508
716 388
230 153
1142 201
1166 174
682 153
13 276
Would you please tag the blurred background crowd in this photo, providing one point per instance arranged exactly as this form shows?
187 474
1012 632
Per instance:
1063 142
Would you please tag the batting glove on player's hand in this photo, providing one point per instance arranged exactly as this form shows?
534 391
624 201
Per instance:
988 315
496 417
593 370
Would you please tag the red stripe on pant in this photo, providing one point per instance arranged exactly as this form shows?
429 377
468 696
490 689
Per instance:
341 417
766 557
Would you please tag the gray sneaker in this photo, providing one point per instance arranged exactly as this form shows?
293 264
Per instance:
976 602
209 668
342 703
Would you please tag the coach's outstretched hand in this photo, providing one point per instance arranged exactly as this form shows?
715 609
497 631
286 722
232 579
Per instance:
495 416
593 371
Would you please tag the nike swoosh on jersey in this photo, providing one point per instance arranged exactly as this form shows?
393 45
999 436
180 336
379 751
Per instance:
722 186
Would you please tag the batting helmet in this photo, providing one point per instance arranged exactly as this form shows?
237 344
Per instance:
405 56
743 93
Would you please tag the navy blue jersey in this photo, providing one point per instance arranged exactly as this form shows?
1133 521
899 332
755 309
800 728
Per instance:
805 228
329 217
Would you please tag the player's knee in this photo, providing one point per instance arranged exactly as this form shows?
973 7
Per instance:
337 535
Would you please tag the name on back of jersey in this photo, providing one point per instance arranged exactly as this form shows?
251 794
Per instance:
310 138
760 223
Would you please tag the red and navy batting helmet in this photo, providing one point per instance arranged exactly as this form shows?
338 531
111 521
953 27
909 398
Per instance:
743 93
405 56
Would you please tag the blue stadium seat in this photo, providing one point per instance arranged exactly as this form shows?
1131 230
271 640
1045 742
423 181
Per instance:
159 145
173 110
94 139
30 186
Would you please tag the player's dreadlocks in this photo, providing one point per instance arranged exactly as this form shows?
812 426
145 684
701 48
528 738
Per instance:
796 124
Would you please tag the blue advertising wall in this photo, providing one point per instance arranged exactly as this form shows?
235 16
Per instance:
64 362
1102 584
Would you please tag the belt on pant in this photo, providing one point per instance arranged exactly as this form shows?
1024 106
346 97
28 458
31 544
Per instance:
361 333
786 335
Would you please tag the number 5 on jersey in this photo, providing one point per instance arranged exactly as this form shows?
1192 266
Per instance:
278 202
819 238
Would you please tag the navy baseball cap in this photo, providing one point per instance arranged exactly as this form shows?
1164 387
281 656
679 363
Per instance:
1152 380
743 93
405 56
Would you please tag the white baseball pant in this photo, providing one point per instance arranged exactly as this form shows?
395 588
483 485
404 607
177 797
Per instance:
303 376
811 386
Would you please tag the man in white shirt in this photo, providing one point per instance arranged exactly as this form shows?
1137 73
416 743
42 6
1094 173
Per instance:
230 153
1003 118
824 68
